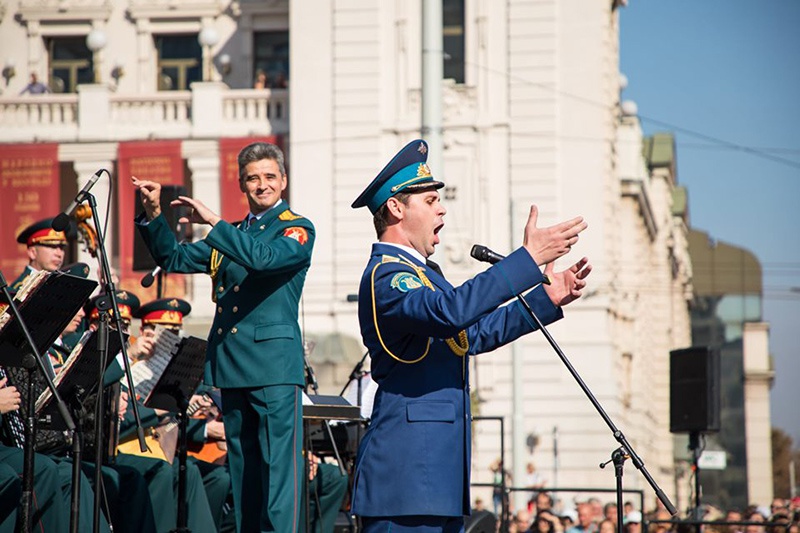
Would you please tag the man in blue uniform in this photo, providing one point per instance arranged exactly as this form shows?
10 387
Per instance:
255 351
412 471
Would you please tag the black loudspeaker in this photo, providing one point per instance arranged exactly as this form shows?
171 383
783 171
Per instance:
694 391
480 522
142 261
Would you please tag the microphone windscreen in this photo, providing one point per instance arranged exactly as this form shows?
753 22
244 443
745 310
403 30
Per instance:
61 222
479 252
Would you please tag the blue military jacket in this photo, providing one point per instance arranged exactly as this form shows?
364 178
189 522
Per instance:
415 457
258 276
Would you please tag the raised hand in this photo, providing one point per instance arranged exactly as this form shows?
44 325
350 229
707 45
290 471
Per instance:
548 244
150 192
566 286
200 214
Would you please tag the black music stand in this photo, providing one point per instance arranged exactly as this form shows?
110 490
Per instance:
75 383
45 312
171 393
324 409
78 382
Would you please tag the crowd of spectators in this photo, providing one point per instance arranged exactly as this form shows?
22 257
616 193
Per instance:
543 515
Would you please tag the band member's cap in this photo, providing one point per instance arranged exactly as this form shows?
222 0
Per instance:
406 172
80 270
42 232
165 312
127 301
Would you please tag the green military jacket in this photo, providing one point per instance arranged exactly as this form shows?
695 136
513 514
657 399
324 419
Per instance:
16 285
258 276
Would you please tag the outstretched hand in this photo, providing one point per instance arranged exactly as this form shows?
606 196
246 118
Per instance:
548 244
199 214
566 286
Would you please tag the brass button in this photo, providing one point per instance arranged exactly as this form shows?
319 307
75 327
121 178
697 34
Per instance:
220 288
236 289
219 309
234 330
219 331
235 308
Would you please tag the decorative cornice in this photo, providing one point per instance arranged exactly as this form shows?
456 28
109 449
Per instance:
174 9
64 10
635 188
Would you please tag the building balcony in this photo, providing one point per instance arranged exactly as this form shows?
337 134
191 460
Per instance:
98 114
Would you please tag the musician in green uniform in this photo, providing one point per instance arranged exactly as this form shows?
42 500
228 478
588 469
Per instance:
161 477
46 248
52 473
169 313
255 351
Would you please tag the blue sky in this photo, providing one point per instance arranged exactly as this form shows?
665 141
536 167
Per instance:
730 70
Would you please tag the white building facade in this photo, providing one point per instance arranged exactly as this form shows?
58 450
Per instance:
534 119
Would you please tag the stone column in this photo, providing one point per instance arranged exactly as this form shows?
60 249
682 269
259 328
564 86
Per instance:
84 168
207 96
758 379
203 160
94 112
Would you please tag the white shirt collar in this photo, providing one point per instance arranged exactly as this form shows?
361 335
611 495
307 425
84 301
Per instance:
411 251
258 216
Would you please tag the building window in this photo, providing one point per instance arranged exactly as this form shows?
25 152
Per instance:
71 63
180 60
453 45
271 58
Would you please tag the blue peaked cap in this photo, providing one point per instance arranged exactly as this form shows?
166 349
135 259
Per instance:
407 171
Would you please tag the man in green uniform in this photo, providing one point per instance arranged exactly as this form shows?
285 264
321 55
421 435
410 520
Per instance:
255 351
46 248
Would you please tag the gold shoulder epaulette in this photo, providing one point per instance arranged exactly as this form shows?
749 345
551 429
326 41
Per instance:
389 259
288 215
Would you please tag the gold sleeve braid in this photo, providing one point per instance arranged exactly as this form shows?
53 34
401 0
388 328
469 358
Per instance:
459 347
214 263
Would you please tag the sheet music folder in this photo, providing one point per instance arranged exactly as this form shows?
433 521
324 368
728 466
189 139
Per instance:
321 407
78 378
46 310
181 377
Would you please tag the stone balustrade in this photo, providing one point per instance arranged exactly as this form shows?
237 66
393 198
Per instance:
97 113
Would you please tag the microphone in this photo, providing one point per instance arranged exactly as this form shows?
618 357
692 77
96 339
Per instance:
482 253
148 278
61 222
311 378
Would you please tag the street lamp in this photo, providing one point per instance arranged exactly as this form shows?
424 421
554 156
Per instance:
207 38
96 41
10 69
225 64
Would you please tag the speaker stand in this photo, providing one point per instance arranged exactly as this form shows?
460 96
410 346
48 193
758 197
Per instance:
697 451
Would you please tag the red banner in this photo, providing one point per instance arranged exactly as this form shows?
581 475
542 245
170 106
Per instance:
233 203
158 161
29 191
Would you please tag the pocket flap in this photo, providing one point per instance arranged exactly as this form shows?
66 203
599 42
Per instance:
274 331
431 412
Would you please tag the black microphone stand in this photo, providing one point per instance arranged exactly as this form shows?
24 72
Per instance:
358 374
31 360
626 448
104 306
618 457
